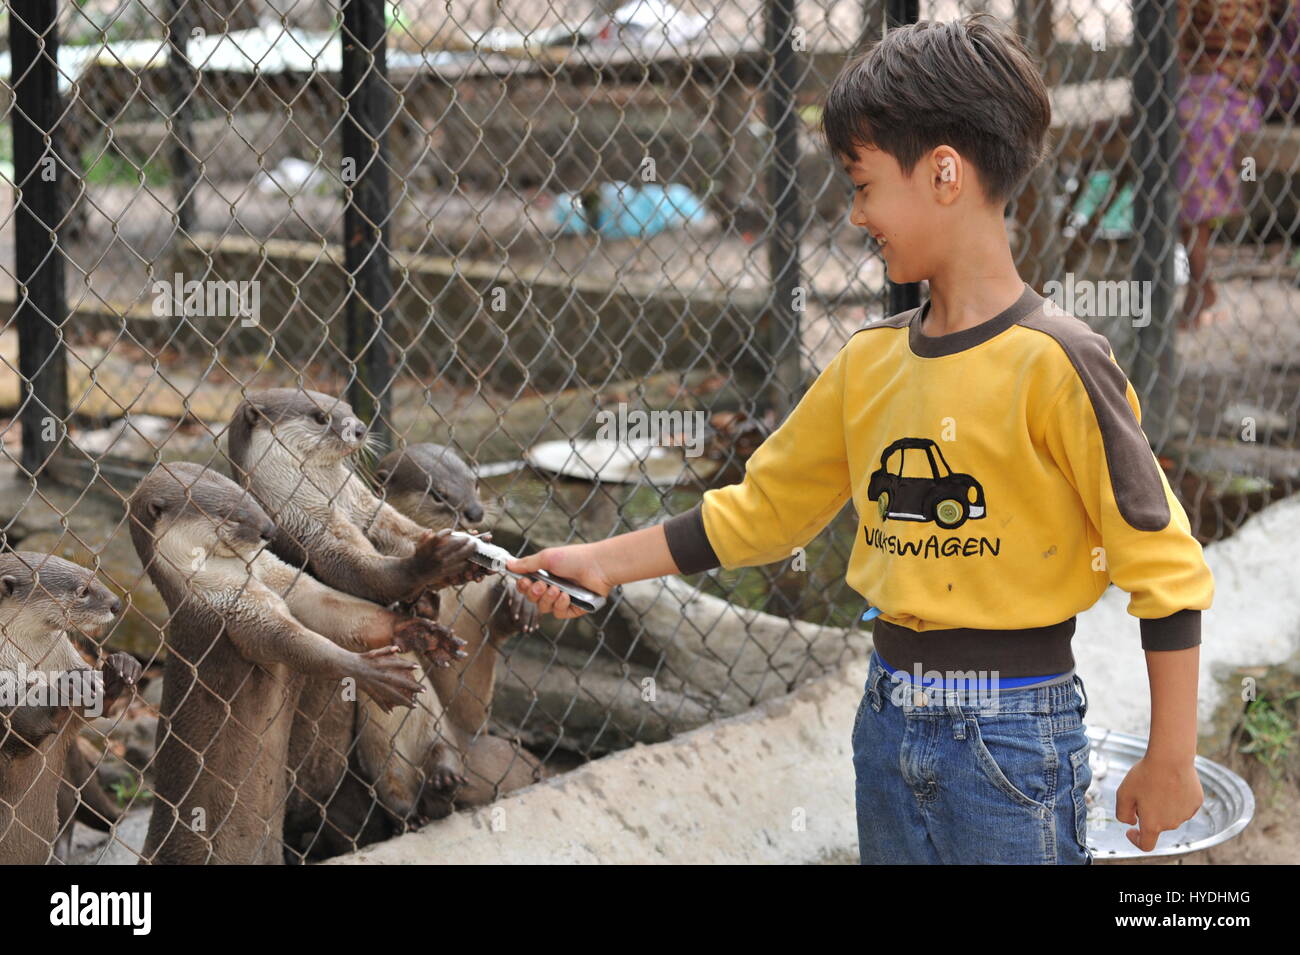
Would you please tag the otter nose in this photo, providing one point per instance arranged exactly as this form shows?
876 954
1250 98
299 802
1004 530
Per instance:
473 513
352 430
115 606
267 531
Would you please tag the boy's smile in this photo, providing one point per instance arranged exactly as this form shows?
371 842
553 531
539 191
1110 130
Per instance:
936 225
893 209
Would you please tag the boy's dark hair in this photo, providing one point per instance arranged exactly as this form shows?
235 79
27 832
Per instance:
968 83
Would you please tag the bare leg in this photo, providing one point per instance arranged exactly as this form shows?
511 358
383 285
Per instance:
1199 304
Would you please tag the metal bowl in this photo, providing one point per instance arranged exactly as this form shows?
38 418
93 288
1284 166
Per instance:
1228 808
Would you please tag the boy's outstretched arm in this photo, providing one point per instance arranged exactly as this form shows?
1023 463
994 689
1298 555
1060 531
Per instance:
1162 790
599 566
795 482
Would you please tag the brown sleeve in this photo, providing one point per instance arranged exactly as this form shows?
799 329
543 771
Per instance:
688 543
1178 631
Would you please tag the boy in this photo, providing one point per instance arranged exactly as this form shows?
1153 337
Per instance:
992 448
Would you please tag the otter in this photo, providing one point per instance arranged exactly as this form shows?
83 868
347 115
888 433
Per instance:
45 781
291 448
246 632
431 485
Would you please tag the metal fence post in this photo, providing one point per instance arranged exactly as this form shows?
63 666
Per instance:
41 308
902 296
183 88
788 223
367 212
1155 206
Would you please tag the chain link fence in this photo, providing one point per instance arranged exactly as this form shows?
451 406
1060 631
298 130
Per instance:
597 251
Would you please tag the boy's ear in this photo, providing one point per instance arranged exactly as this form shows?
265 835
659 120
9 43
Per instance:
948 173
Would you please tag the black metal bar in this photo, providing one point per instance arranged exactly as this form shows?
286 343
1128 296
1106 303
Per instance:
873 24
905 295
902 12
41 308
1155 72
368 208
182 88
788 218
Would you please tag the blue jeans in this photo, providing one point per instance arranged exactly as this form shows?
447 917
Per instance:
951 778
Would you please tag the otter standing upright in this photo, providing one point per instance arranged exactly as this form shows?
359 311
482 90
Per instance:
431 485
246 630
291 448
42 597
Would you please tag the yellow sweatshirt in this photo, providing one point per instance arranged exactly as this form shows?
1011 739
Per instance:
1001 480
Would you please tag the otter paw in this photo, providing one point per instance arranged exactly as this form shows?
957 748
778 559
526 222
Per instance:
387 678
515 613
445 780
428 605
441 560
430 639
121 670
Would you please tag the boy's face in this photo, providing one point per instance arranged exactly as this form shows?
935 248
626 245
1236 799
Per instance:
902 212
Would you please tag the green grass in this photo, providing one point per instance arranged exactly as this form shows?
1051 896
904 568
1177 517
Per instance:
126 794
111 168
108 167
1270 729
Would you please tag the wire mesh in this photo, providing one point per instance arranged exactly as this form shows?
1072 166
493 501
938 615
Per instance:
497 228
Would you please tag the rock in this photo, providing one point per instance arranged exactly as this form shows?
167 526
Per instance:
123 846
723 793
587 703
137 734
1265 420
727 655
135 436
529 510
1222 481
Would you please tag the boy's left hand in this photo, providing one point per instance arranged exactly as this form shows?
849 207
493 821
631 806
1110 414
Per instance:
1158 796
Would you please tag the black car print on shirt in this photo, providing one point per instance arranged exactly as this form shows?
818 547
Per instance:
944 496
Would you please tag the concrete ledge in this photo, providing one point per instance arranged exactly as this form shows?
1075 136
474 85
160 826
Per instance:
734 791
